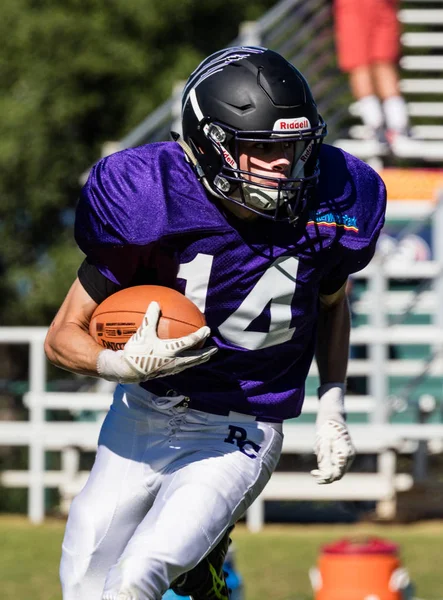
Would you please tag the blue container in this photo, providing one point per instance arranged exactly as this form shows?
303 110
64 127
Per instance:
233 579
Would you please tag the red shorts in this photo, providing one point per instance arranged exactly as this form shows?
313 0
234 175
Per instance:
366 31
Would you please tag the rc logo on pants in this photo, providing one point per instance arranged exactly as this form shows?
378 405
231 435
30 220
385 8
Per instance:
238 435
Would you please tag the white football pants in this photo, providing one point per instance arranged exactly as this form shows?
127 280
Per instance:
166 484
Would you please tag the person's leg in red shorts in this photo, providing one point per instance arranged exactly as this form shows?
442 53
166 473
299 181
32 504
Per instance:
367 39
385 51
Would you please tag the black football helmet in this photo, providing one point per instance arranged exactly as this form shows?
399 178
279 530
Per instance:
252 94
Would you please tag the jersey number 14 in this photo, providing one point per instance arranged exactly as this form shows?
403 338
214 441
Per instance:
276 288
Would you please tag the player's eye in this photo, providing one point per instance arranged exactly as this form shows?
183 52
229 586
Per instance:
270 148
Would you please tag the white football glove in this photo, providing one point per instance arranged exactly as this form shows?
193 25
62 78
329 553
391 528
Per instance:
146 356
333 445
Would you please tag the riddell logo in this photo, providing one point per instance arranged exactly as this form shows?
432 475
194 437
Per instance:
307 153
229 159
291 124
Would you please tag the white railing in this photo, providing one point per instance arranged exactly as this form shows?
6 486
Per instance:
71 438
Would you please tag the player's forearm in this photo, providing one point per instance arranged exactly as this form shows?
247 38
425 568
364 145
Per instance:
70 347
332 350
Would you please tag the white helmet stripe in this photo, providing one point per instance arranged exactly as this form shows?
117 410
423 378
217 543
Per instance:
195 105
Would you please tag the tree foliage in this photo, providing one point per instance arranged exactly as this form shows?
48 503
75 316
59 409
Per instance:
74 74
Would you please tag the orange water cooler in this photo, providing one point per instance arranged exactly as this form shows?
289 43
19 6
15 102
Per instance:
367 569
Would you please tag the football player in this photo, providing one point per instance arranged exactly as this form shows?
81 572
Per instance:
260 224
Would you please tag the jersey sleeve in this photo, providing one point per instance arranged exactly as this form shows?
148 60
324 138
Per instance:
112 226
331 284
119 203
357 245
97 285
135 201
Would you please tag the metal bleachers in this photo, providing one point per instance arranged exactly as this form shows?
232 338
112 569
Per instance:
310 47
312 50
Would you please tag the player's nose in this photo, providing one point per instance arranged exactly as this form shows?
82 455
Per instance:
282 158
281 164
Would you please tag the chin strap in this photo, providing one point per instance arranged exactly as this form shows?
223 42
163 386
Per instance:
189 155
264 199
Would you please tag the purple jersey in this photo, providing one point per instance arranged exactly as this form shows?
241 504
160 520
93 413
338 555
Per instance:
144 218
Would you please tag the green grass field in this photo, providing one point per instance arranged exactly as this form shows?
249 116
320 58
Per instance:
274 563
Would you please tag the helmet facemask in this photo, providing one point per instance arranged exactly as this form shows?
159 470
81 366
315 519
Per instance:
273 197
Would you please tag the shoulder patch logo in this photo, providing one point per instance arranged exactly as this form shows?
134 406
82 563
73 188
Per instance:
330 219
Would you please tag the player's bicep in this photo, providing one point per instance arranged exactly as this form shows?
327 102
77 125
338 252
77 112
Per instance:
77 308
89 289
331 298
